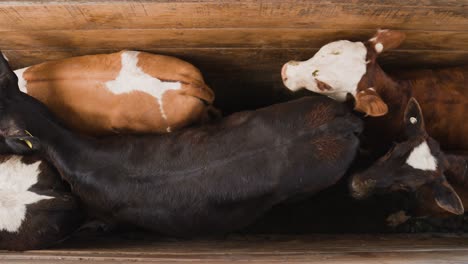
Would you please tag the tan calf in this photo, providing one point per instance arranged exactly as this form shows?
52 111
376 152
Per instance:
127 91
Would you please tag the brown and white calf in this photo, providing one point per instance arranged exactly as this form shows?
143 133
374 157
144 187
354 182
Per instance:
127 91
343 68
37 208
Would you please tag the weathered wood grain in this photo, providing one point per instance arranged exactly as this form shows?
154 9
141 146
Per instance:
216 38
434 257
247 58
367 2
53 15
258 249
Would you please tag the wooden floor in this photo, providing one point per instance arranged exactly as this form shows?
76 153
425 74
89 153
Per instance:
362 249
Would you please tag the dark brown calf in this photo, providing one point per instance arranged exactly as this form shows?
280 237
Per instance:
457 176
413 164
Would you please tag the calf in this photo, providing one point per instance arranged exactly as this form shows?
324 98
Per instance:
343 68
414 163
37 208
123 92
457 176
209 179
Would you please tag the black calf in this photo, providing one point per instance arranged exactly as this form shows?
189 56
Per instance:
202 180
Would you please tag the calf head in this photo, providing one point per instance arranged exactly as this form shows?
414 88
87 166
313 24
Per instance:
15 109
412 164
343 67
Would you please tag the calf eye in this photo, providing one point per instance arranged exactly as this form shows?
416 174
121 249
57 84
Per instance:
413 120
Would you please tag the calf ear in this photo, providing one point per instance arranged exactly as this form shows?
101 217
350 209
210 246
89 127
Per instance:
369 102
8 79
386 39
20 145
447 199
413 119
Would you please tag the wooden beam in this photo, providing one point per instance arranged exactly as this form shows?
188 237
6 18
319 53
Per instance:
412 15
362 249
256 59
216 38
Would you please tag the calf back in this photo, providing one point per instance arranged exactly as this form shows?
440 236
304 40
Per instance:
124 92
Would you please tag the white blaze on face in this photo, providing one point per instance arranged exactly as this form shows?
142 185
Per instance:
340 64
22 83
15 180
421 158
133 78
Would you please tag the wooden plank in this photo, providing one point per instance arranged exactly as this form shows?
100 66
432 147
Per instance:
341 2
247 58
351 258
216 38
259 249
234 14
130 243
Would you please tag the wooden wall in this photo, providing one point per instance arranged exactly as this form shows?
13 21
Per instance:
239 45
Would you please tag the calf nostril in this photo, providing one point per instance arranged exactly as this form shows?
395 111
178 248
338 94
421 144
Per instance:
360 188
355 185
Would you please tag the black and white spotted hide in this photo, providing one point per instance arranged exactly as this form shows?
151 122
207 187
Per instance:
37 208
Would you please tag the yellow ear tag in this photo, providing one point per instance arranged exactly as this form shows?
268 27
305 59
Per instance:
27 143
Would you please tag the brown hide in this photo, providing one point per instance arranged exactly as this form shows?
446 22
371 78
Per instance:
442 94
381 130
75 90
444 101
